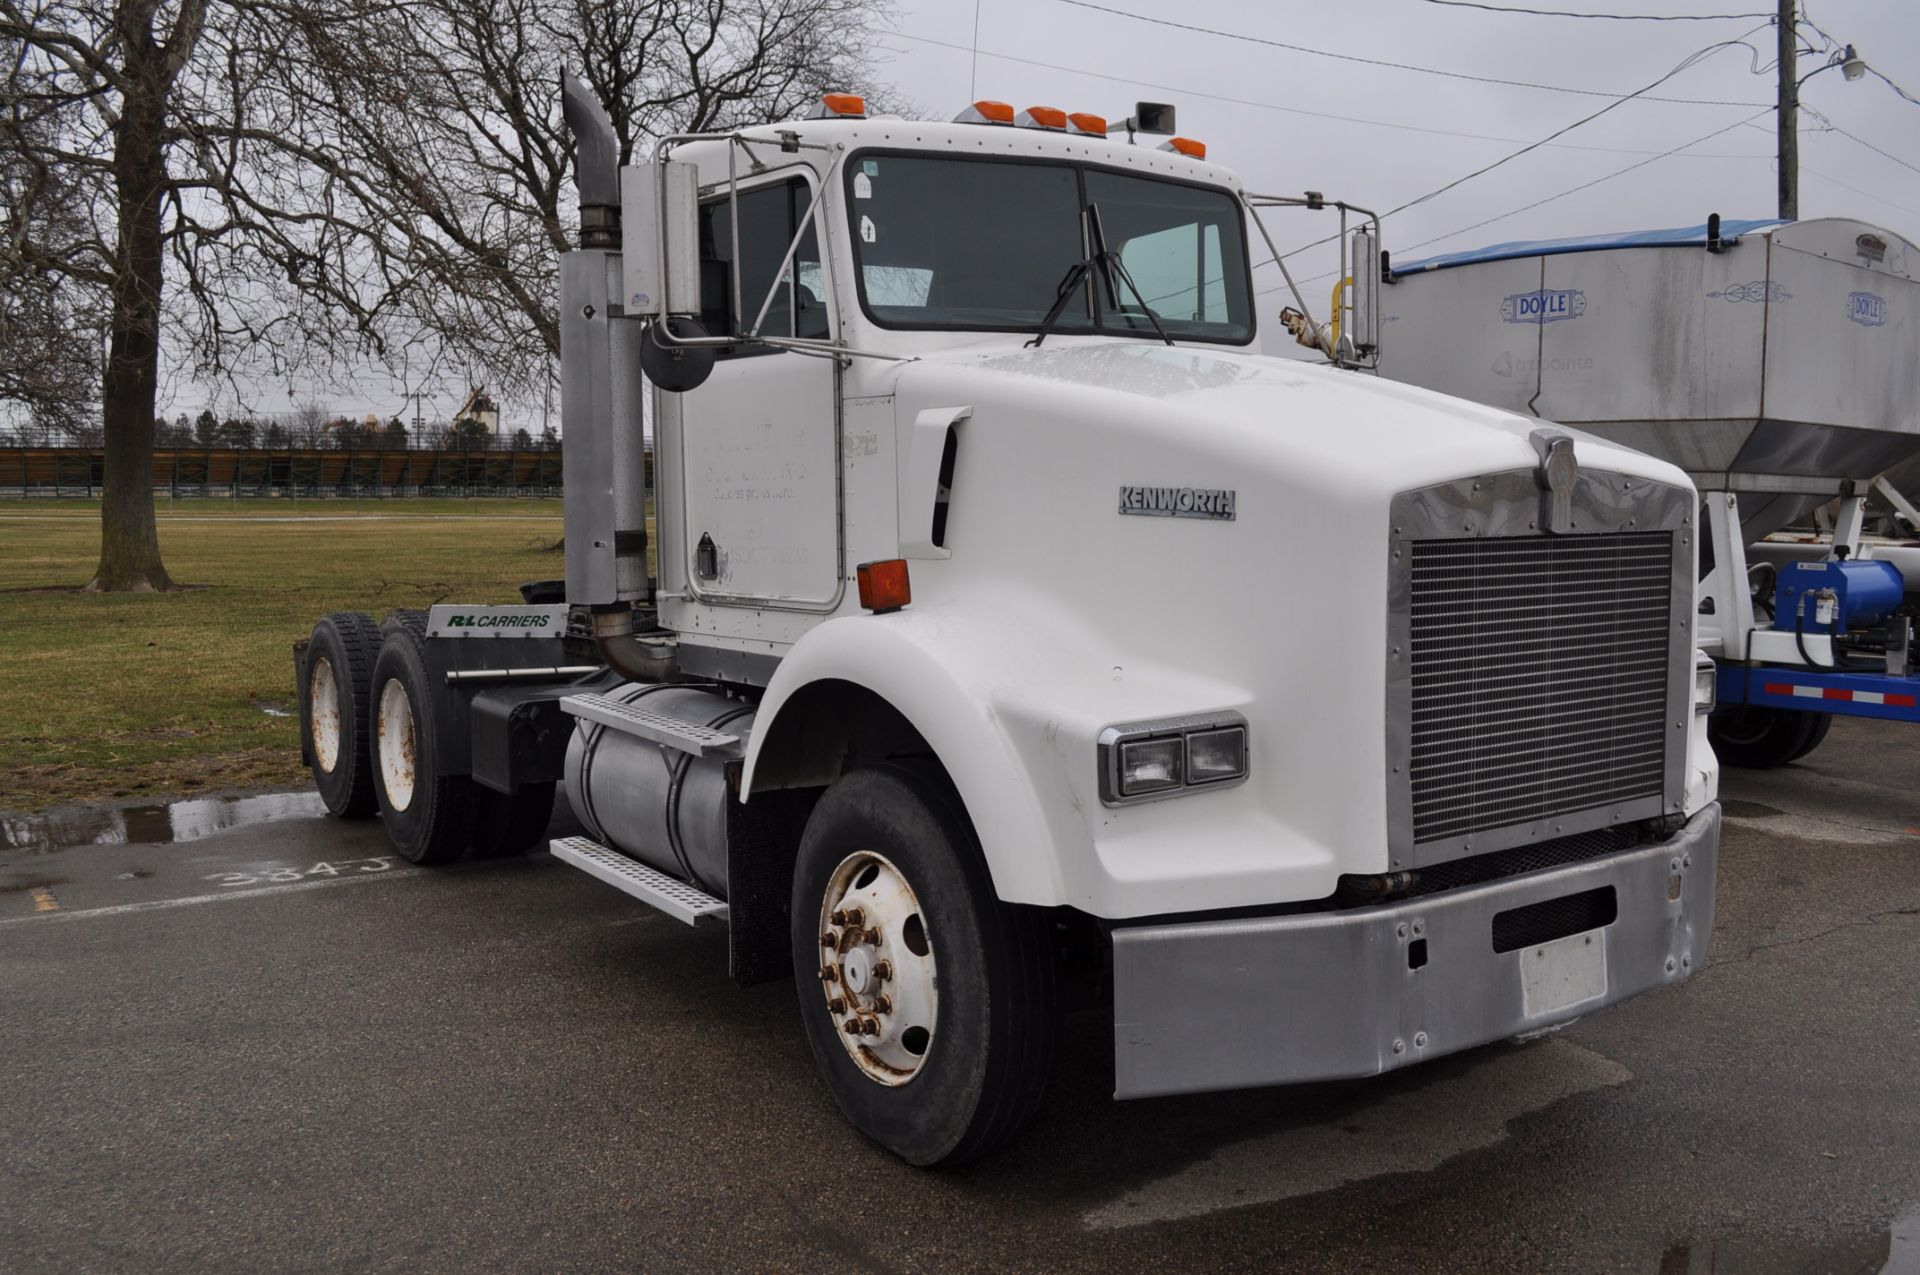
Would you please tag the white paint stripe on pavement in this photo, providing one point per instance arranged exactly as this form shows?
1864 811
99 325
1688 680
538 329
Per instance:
156 905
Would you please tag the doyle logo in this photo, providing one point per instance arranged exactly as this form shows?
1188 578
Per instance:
1178 502
484 620
1866 309
1549 305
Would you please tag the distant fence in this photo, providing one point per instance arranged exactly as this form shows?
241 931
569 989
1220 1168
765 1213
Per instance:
301 472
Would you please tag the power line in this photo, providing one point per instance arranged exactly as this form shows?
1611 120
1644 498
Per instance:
1833 127
1513 212
1895 87
1184 92
1608 17
1828 177
1397 66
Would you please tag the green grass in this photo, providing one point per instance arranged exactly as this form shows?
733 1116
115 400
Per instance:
105 696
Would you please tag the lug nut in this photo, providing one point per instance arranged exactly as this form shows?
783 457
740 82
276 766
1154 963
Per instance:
883 970
882 1005
827 940
838 917
852 1027
869 1028
829 975
854 917
837 1006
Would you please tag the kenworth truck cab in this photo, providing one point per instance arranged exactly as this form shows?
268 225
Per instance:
1023 641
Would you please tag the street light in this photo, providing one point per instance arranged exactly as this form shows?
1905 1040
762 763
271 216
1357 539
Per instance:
1852 65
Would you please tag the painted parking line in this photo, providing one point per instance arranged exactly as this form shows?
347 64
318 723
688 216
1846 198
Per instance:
157 905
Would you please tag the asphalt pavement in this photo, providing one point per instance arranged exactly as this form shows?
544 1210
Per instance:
274 1046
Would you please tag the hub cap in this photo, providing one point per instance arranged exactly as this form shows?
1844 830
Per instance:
323 715
877 968
396 746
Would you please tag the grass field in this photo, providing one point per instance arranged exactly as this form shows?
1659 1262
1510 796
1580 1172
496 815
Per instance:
128 695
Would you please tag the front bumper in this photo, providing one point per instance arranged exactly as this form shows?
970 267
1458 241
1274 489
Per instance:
1206 1005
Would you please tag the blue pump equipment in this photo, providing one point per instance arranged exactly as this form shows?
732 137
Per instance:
1837 595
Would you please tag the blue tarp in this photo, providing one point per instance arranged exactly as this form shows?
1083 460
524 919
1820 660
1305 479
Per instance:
1678 237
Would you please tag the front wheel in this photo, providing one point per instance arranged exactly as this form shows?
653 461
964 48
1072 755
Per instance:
931 1005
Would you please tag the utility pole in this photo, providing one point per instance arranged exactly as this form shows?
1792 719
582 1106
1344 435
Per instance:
1789 122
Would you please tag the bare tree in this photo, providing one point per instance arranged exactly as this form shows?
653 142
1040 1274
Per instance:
450 110
278 183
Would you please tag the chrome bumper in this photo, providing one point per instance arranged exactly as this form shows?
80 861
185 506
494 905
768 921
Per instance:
1206 1005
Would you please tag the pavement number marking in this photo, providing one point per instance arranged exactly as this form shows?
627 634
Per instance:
283 876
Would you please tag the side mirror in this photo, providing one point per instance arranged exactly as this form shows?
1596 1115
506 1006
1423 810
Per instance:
660 238
1363 326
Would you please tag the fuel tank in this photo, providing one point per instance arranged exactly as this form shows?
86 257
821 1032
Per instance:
664 807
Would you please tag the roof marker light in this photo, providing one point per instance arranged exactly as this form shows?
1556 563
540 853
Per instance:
841 106
1088 125
1185 146
1047 117
986 112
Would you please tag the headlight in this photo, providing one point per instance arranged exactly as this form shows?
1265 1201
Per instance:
1706 684
1140 761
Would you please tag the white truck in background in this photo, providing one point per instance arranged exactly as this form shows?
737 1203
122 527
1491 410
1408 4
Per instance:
1023 641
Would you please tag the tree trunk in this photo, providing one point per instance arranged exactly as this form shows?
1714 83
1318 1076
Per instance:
129 540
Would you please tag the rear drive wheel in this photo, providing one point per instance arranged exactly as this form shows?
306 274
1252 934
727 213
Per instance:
930 1005
1760 738
429 815
1823 722
511 823
333 711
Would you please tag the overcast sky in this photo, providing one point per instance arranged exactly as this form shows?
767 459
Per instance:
1290 121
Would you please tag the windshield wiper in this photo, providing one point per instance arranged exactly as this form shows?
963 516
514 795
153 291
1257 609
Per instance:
1111 260
1078 271
1068 286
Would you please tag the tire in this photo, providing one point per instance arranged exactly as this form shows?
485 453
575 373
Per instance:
336 675
989 1024
429 815
1823 722
1760 738
511 824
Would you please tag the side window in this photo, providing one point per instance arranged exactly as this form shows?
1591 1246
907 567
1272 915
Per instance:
769 216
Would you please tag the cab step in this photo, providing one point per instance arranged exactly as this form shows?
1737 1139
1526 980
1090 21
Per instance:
671 732
677 899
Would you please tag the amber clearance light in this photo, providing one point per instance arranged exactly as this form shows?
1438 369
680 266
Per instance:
884 586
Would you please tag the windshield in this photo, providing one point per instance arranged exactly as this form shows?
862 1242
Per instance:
979 244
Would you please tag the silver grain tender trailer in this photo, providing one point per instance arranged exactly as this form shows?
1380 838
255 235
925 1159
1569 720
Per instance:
1023 641
1778 363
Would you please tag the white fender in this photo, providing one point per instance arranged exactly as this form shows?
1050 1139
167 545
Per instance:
912 660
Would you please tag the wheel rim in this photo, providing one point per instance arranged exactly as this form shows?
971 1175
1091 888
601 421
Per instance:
323 714
396 745
877 968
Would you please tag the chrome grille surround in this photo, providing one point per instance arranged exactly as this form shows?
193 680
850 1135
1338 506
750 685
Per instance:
1537 685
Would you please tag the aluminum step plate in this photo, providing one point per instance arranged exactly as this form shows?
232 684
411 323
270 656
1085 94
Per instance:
629 719
676 898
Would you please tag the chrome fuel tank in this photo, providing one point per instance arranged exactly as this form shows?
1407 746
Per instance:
664 807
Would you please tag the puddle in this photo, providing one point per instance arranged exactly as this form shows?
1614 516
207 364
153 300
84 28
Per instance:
1895 1251
187 820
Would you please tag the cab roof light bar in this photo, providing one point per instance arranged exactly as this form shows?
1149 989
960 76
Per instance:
1084 125
1185 146
986 112
840 106
1051 118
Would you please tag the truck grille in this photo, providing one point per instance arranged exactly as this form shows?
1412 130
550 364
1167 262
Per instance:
1539 677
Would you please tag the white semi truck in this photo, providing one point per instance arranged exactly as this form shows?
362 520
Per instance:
1022 641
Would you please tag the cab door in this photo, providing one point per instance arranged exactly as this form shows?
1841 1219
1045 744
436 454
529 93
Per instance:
759 444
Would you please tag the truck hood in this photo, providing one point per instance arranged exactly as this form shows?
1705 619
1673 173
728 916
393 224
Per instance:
1298 414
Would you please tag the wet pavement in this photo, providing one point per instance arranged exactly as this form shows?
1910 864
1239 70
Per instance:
239 1036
